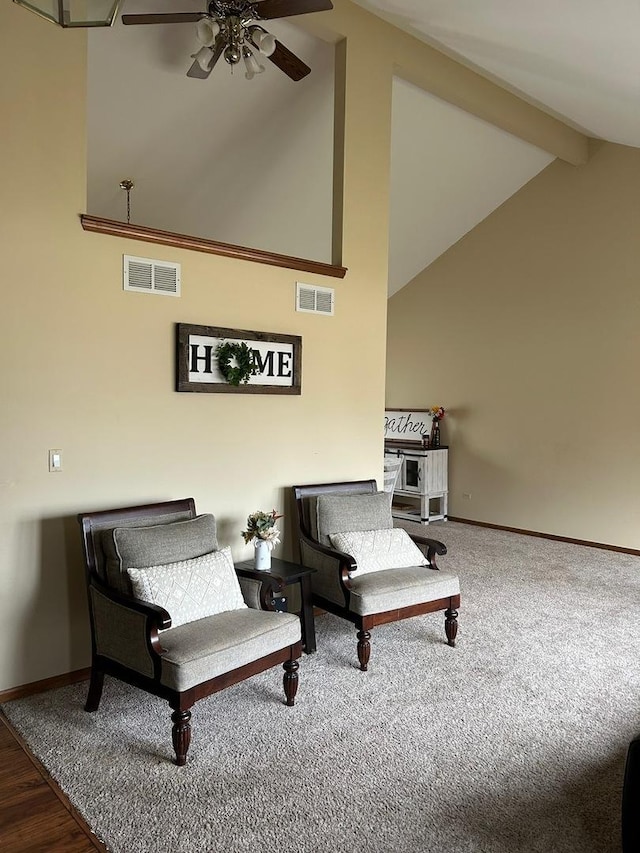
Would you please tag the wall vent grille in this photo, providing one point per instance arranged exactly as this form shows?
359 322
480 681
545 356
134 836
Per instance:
144 275
314 300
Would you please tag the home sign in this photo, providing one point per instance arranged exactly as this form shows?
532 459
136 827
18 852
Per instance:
212 359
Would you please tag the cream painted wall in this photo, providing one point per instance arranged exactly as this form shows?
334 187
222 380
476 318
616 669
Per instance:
527 332
88 368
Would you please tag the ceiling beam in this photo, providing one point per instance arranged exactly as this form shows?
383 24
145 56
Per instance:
421 64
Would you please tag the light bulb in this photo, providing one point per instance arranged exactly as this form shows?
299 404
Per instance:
203 57
207 30
264 41
251 64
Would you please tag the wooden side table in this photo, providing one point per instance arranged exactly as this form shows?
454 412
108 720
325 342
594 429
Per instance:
287 573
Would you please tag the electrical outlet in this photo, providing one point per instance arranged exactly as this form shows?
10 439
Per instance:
55 461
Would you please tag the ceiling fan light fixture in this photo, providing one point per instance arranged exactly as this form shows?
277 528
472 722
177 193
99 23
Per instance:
232 54
203 57
263 40
231 29
207 30
251 64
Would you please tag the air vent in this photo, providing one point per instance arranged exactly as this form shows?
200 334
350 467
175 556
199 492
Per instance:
145 275
314 300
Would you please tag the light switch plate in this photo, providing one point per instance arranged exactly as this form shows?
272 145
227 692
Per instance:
55 461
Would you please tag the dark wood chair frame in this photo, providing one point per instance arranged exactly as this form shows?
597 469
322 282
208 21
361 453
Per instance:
158 618
364 624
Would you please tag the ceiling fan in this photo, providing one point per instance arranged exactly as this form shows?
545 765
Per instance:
232 29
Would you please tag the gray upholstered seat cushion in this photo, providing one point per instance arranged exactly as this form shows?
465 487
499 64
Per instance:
339 513
154 545
201 650
377 592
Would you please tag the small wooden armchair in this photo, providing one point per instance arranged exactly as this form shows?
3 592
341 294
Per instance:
380 596
133 640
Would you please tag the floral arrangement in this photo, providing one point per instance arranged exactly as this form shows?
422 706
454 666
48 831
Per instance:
437 413
262 525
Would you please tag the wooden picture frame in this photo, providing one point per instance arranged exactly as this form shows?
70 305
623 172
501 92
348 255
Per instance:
279 360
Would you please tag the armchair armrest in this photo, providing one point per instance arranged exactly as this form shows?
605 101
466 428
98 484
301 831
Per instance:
346 561
126 630
432 547
266 587
157 615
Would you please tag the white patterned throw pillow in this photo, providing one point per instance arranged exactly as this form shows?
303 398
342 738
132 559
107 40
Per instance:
190 589
376 550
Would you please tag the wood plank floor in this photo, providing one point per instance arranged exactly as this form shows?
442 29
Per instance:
34 813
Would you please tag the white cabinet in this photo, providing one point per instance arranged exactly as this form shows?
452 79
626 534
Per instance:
421 493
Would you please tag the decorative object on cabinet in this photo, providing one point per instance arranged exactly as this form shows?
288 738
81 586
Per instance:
437 414
401 425
212 359
422 489
434 441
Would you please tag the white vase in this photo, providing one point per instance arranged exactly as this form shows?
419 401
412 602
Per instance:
263 555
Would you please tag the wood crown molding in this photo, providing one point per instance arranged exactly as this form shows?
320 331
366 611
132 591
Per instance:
212 247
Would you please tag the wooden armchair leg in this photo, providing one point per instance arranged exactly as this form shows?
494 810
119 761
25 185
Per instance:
451 625
95 689
364 649
181 735
290 680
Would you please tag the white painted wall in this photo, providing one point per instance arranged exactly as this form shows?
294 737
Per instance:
449 170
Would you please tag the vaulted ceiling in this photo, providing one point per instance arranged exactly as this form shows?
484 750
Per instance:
577 60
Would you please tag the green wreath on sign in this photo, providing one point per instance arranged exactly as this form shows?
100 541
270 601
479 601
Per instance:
243 356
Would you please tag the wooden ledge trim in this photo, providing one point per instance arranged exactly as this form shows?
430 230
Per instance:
619 549
212 247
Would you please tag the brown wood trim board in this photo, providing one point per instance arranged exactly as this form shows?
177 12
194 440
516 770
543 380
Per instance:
45 684
212 247
586 542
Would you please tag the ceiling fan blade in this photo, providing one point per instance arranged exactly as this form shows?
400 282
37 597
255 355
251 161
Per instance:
196 70
288 62
268 9
164 18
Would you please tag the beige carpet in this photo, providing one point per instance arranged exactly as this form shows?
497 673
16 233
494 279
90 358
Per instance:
513 741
